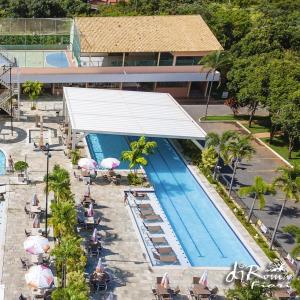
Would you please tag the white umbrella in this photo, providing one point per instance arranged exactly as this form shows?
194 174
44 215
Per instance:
165 281
39 277
36 222
34 201
109 163
87 163
100 266
204 278
36 245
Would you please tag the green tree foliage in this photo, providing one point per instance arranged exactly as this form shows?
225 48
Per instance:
209 159
258 191
288 182
249 290
33 89
139 149
295 232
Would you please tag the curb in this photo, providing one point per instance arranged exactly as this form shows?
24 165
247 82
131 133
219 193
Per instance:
265 145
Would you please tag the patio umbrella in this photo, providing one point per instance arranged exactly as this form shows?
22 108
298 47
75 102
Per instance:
34 201
36 245
41 142
90 211
203 279
100 266
110 163
87 163
36 222
94 235
165 282
39 277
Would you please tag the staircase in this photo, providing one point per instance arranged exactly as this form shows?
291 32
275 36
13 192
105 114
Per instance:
10 90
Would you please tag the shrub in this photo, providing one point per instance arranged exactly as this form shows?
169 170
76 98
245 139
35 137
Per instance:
134 179
75 156
21 166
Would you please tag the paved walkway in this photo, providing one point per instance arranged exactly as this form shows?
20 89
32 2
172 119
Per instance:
264 163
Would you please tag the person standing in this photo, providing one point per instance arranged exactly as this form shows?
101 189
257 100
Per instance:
10 164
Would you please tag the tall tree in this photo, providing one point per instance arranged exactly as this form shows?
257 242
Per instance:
219 142
33 89
289 183
238 149
139 149
257 190
295 232
212 62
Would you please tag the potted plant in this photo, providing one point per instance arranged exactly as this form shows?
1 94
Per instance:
75 156
21 166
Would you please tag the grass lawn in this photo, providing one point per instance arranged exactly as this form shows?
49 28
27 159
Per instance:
259 123
280 146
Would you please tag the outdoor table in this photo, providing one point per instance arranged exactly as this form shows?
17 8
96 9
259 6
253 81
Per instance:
35 209
36 231
86 179
37 259
281 294
200 290
89 221
162 290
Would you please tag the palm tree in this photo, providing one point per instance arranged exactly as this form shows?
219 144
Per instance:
33 89
289 183
68 255
211 61
295 232
238 149
59 183
63 218
208 159
219 142
138 150
258 190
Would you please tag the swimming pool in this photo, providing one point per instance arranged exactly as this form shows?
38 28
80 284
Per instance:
2 163
204 234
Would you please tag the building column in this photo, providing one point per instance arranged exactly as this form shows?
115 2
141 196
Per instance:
158 59
188 89
74 139
121 86
174 60
155 86
123 60
86 85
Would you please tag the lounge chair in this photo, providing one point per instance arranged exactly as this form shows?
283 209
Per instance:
214 291
169 259
147 206
151 218
25 264
27 233
146 212
153 229
165 250
158 240
196 280
154 292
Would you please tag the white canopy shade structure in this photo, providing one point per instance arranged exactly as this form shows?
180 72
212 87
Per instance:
128 113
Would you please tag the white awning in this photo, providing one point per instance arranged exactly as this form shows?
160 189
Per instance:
129 113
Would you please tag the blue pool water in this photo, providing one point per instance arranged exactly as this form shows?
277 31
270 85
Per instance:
205 236
2 163
57 59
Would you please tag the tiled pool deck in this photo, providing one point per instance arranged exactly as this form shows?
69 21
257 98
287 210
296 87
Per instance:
123 255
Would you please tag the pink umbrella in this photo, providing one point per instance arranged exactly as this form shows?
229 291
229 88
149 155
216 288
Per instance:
87 163
100 267
90 211
36 222
165 282
36 245
110 163
204 278
39 277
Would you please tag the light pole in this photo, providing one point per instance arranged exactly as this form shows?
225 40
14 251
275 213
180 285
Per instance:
47 180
